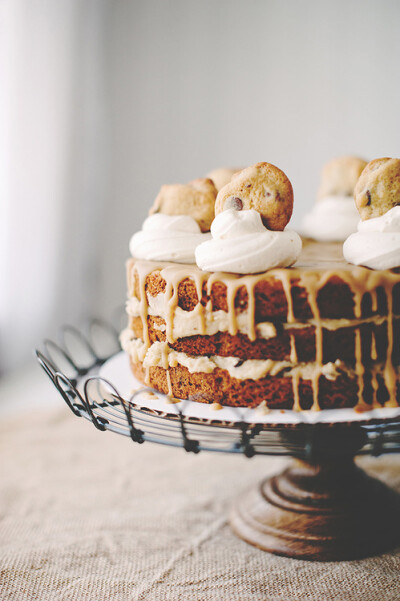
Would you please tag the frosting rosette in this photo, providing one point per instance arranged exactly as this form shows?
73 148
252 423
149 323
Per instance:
331 219
242 244
167 238
376 244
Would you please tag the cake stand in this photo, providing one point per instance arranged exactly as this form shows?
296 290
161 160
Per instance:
322 507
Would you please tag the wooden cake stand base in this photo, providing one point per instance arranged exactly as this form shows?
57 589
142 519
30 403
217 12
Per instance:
330 510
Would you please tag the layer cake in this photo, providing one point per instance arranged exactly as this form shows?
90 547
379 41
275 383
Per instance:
321 334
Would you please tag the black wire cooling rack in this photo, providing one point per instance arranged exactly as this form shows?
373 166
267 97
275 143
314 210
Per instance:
72 363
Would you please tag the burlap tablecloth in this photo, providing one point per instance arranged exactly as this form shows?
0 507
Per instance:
88 515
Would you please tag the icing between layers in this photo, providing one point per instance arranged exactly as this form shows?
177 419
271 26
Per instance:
242 244
160 354
167 238
192 323
332 218
376 244
311 273
195 322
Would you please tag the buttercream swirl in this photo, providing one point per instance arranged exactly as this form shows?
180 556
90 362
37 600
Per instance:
167 238
331 219
242 244
376 244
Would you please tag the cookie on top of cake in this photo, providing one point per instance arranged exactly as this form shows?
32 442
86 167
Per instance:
334 215
376 244
242 316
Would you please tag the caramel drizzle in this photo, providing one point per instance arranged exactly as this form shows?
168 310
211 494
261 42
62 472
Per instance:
143 270
375 386
296 391
171 299
360 370
293 351
374 353
199 280
147 376
389 373
286 281
360 281
251 309
296 375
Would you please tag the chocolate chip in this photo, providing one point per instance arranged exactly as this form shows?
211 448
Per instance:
239 362
233 202
368 193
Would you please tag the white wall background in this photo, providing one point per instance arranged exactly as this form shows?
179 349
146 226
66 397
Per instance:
106 100
194 85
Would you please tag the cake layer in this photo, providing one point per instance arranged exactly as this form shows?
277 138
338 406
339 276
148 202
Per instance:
275 392
290 343
366 387
311 290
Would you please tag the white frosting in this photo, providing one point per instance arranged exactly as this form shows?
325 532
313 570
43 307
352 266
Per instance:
167 238
242 244
376 244
195 322
332 218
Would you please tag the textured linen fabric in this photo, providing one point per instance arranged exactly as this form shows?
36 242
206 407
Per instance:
89 515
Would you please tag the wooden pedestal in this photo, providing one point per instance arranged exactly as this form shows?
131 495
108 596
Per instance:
326 511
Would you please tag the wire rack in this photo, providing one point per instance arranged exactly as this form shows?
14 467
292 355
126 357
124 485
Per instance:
72 364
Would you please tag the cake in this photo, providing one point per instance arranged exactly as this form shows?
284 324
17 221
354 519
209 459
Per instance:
314 332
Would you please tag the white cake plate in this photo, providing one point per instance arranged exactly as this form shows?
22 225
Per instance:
117 371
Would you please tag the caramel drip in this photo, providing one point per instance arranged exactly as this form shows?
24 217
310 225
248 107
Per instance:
230 299
296 394
262 408
229 280
165 365
143 269
199 280
233 283
173 275
171 300
359 369
165 357
251 309
375 386
313 284
374 354
170 392
374 300
147 376
170 400
389 373
296 376
285 278
293 351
